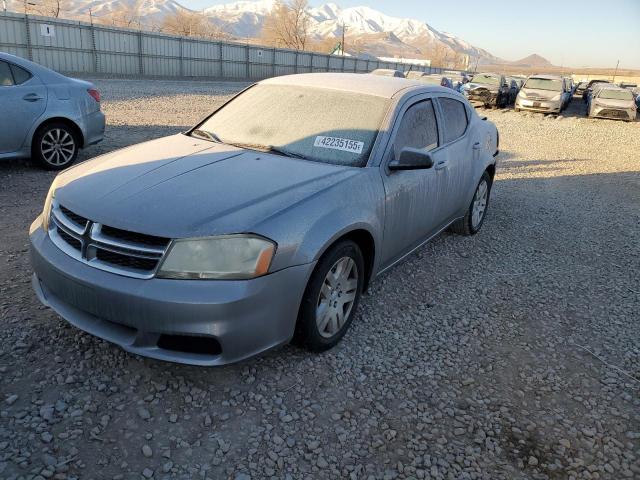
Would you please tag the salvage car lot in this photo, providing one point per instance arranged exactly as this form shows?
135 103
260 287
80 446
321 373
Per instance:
470 360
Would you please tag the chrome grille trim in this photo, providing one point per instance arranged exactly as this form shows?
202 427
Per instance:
92 241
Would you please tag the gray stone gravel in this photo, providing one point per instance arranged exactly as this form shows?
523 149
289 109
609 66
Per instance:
475 359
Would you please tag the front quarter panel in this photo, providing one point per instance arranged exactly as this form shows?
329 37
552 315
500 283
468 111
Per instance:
306 230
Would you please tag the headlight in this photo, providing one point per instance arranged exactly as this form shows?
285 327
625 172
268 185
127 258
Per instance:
556 98
46 211
231 257
522 94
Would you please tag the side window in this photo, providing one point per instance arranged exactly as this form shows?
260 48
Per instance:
455 118
6 79
418 128
20 75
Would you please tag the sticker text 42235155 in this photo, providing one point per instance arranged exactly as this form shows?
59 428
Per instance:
336 143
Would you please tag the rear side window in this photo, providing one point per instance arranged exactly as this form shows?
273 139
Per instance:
418 128
6 79
455 119
20 75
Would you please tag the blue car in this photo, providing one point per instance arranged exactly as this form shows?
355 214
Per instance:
45 115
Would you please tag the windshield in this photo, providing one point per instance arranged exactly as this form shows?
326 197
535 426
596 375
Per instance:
323 125
486 79
612 94
544 84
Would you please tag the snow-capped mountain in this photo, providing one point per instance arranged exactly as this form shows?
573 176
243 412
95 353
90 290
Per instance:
245 19
381 34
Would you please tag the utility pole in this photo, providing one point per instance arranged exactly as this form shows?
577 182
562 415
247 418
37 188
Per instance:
343 29
615 72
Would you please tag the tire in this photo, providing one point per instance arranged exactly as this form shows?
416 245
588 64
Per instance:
470 225
55 146
310 332
516 109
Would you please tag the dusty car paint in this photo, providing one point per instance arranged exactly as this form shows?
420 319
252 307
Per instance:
183 187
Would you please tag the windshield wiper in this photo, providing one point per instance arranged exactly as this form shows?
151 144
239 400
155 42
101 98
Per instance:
284 151
203 134
251 146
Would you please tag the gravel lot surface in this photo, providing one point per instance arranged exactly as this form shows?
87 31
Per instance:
513 354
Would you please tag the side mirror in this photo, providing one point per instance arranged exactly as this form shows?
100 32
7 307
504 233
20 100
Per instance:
412 159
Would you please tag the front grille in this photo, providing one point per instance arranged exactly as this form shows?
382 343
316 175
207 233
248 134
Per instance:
75 218
104 247
134 237
73 242
127 261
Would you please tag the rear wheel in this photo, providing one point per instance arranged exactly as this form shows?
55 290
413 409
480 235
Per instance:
331 297
55 146
472 222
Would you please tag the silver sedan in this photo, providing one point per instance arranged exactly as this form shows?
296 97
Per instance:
45 115
265 222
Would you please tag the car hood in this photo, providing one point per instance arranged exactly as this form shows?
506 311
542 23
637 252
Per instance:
180 187
537 93
480 86
613 103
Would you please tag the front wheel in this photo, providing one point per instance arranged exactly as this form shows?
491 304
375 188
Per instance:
55 146
331 297
472 222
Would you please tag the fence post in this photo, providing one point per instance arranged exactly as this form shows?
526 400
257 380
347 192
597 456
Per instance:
181 57
220 51
247 71
343 62
273 62
296 67
29 49
368 69
328 62
311 63
140 62
94 48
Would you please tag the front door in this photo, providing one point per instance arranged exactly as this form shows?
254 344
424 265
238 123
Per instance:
413 209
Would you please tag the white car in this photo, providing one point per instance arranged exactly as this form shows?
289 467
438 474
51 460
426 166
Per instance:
610 101
543 93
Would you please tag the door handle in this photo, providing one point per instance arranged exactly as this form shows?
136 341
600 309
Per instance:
476 146
440 165
32 97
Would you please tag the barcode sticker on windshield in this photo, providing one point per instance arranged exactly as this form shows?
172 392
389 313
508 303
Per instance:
337 143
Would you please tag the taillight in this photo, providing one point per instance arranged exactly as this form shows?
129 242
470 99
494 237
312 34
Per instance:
95 94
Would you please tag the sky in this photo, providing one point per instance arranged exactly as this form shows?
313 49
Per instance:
577 33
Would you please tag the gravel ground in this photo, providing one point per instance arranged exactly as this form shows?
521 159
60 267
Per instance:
514 354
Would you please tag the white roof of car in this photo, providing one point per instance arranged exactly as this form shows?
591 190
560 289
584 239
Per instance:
366 84
547 77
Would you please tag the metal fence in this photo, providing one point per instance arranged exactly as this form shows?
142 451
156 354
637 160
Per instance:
80 47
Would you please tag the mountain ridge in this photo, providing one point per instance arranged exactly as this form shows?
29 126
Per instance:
368 30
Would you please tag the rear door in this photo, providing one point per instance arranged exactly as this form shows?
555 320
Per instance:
24 98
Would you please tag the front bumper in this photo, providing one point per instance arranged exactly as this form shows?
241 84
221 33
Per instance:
240 318
612 113
538 105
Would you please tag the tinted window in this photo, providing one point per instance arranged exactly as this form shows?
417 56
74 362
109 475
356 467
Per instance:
418 128
20 75
6 79
455 118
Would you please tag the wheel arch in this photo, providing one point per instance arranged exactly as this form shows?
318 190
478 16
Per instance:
366 242
70 123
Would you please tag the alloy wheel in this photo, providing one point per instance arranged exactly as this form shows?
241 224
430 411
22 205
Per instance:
479 204
337 296
58 147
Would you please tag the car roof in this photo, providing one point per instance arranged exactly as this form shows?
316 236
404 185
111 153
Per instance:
367 84
547 77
